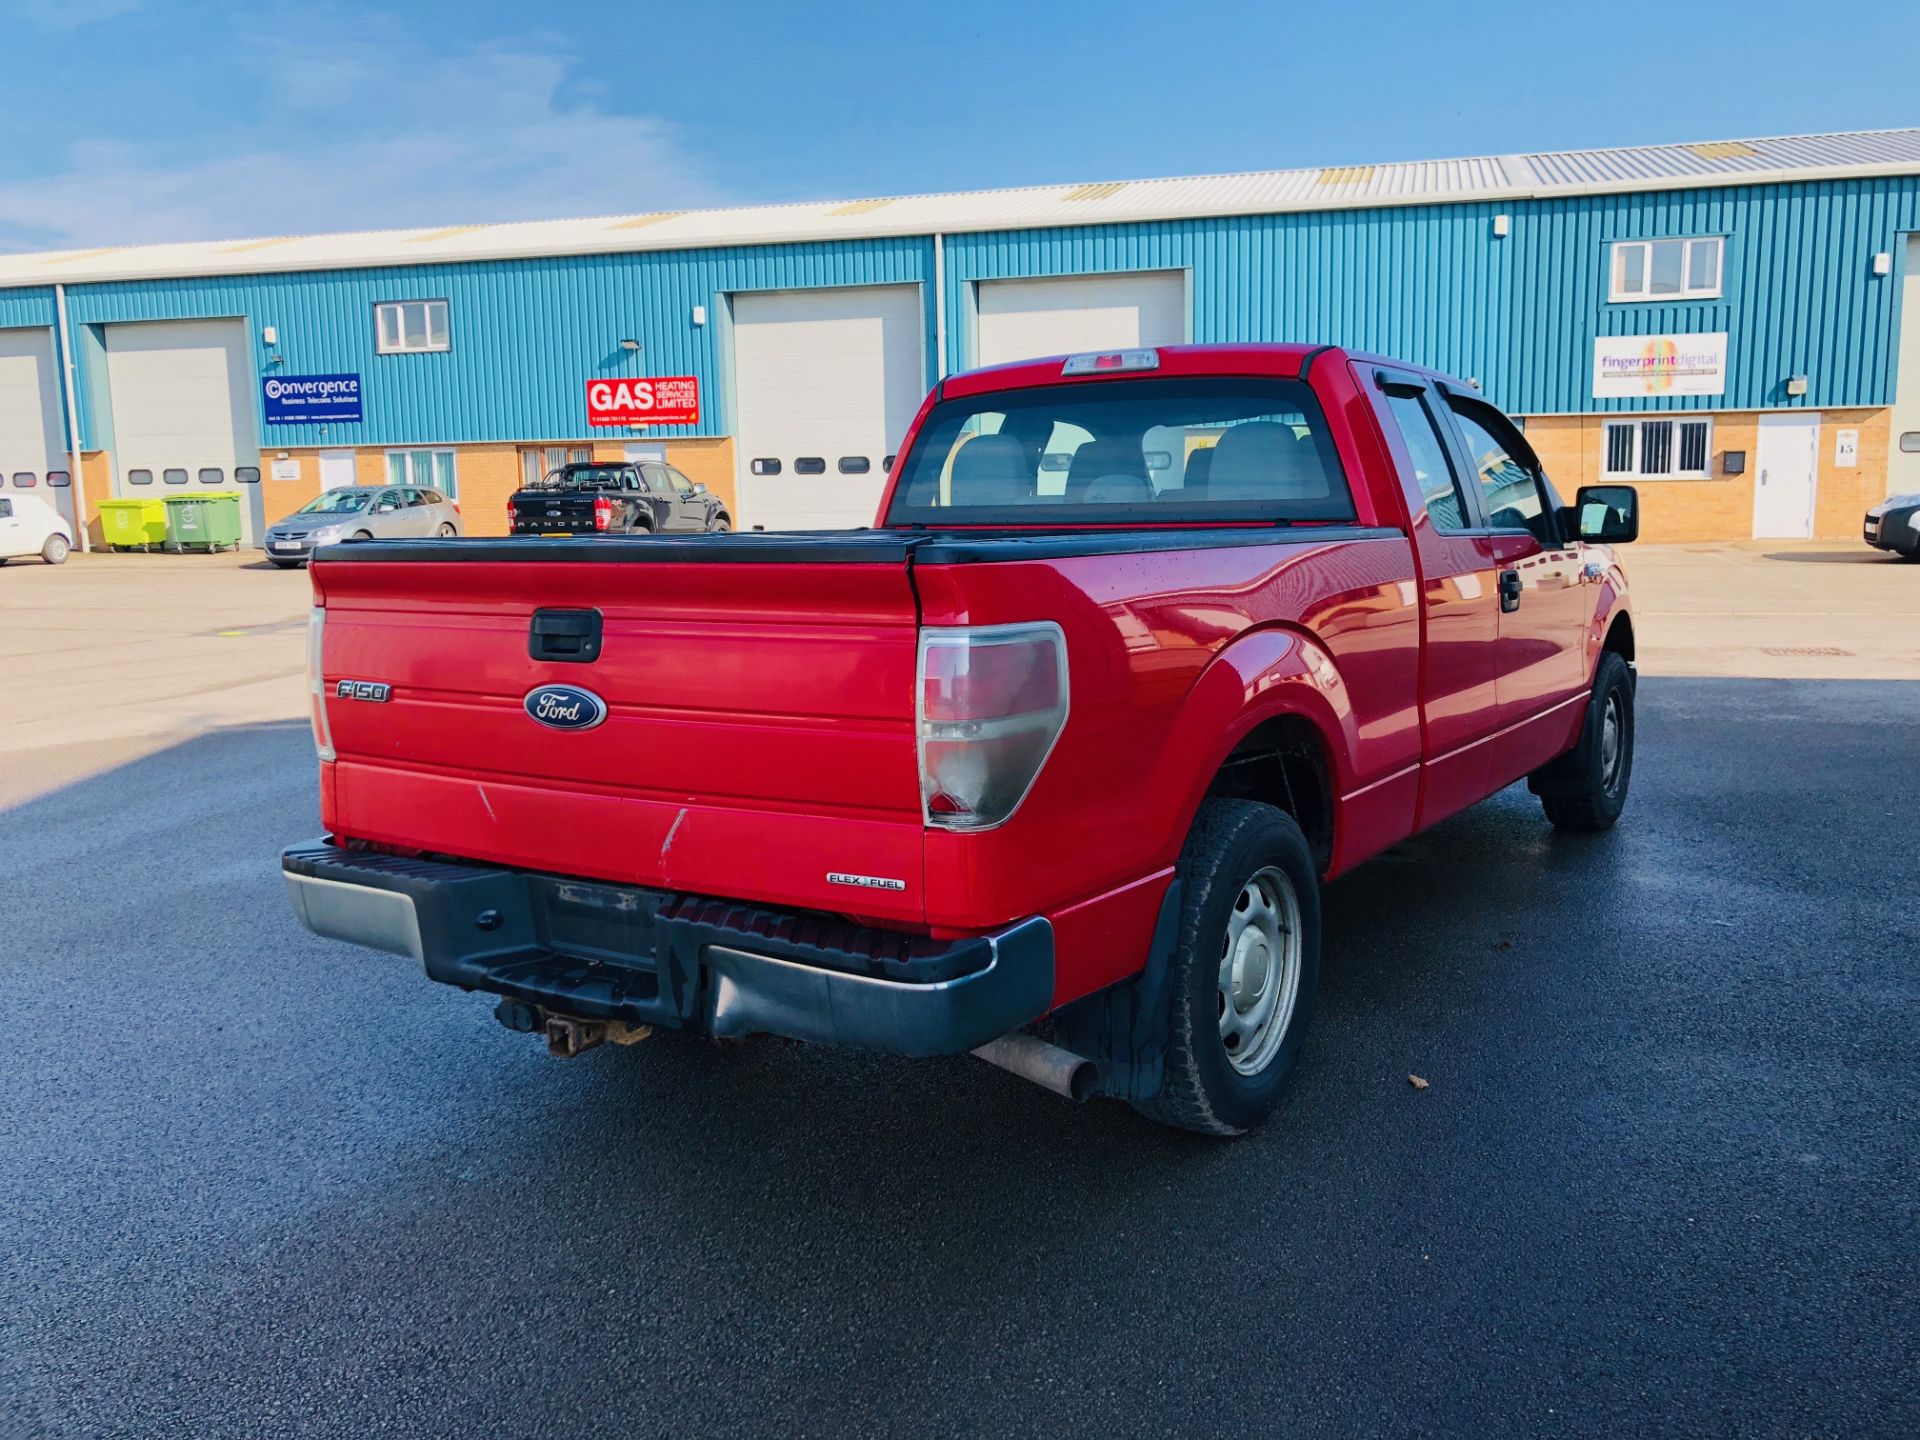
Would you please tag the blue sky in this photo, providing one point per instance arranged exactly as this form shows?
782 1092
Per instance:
137 120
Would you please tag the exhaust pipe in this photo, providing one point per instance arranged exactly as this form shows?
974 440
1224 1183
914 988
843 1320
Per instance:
1031 1058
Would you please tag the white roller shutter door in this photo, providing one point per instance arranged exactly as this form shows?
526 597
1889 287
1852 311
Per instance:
825 383
1063 315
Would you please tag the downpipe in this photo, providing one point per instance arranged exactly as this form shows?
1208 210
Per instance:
1066 1074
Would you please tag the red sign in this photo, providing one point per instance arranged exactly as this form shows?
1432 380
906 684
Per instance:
669 400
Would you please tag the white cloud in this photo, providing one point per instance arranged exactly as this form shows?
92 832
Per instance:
376 133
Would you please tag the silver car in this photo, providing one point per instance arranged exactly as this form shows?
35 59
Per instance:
361 512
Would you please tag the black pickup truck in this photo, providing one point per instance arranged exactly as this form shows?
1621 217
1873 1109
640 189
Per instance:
616 498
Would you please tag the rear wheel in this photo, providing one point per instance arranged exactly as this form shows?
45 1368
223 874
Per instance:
1586 789
54 552
720 525
1246 968
447 532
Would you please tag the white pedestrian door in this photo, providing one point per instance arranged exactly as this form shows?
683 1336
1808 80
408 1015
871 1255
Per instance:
336 469
1784 482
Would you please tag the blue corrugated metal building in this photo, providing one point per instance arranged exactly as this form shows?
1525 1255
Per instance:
1690 316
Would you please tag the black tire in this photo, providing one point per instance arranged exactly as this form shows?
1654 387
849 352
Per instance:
283 564
447 532
1910 555
361 535
1234 845
719 525
1586 789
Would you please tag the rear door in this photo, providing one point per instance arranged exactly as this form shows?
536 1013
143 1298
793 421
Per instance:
1540 666
1459 601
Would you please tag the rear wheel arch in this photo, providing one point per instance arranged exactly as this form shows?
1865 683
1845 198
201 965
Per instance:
1289 740
1284 761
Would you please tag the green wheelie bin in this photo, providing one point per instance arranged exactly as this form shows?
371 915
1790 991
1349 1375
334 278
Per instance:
207 521
134 523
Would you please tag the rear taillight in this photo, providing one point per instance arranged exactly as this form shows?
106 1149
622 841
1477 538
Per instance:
602 512
992 702
512 517
316 681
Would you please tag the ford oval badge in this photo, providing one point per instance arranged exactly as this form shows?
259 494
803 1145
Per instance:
566 707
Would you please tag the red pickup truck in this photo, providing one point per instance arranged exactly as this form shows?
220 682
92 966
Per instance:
1049 765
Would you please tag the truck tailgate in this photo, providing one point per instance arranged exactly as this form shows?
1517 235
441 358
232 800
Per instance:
759 731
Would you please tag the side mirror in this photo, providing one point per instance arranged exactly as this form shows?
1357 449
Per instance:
1607 514
699 487
384 509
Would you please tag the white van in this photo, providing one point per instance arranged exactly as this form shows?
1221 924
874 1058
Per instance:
30 526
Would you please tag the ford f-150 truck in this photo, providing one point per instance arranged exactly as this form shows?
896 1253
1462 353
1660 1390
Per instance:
1050 765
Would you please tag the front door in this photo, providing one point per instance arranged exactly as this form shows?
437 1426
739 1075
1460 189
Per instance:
1784 488
336 469
1540 667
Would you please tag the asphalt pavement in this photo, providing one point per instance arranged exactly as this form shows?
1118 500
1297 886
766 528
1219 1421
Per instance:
1663 1178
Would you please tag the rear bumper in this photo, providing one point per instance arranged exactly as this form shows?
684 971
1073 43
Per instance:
611 952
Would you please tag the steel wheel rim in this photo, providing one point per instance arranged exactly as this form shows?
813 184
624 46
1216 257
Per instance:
1610 737
1259 978
57 547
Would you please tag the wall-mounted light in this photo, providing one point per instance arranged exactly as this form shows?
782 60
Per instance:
1796 385
699 314
1501 225
629 344
1883 263
269 335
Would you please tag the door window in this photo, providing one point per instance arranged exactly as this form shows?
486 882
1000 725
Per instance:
1432 470
1512 493
656 479
679 482
6 508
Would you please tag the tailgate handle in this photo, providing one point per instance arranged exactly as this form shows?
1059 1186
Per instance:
568 635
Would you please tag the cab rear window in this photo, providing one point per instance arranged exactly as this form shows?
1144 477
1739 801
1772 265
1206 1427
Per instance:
1126 452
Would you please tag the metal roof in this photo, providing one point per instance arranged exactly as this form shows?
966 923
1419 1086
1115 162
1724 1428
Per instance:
1850 155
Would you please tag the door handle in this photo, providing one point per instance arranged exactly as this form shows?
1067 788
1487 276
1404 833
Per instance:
1509 591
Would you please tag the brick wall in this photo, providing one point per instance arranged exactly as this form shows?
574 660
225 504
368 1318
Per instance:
1721 507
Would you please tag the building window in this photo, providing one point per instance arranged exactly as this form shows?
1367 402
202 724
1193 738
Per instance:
536 463
25 479
429 468
1659 449
174 476
1665 269
213 476
404 326
59 479
139 477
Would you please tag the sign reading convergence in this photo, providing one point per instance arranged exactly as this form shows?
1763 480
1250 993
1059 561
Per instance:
1630 365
